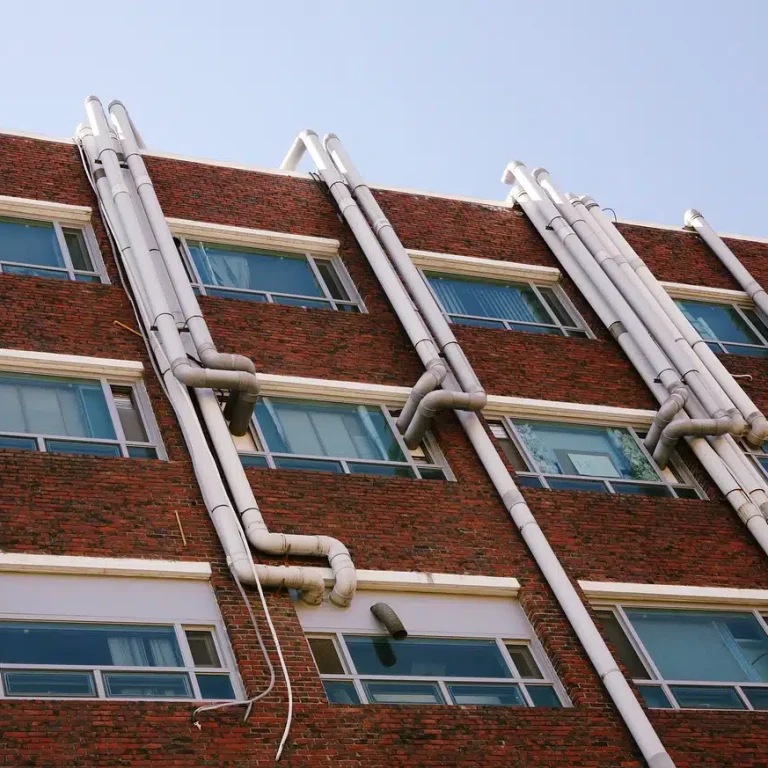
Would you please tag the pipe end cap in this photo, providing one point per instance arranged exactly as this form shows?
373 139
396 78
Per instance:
538 172
115 103
589 202
329 137
690 215
91 98
307 132
508 177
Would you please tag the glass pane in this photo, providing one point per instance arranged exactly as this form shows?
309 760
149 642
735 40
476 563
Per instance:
233 267
248 460
386 470
544 696
487 695
532 482
222 294
577 485
546 330
557 307
618 638
289 301
29 242
141 452
202 647
87 278
332 280
686 493
432 473
46 405
82 449
488 298
524 661
757 321
703 645
313 465
699 697
427 657
477 322
758 697
57 274
718 322
78 251
340 430
49 684
216 687
642 490
130 418
123 645
577 334
326 657
147 685
654 697
560 449
340 692
18 443
514 457
403 693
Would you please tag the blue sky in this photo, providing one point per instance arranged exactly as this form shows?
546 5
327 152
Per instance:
651 107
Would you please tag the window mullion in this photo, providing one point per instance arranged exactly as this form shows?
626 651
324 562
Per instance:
398 437
117 424
441 684
743 316
545 304
316 272
64 249
637 643
101 688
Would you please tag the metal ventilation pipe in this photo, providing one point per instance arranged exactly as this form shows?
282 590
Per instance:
309 581
758 424
612 309
627 704
391 621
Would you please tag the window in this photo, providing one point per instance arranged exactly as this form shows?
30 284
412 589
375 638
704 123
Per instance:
728 328
685 659
84 416
578 457
110 661
63 637
295 279
344 438
48 249
501 304
375 669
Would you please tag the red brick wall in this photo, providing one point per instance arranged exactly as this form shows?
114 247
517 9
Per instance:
122 507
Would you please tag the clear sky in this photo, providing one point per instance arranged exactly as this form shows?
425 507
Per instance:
651 107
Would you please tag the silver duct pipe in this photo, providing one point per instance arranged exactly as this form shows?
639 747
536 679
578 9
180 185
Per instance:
681 357
111 190
749 285
758 424
255 527
627 704
716 377
718 464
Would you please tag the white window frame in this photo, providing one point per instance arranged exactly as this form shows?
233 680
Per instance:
335 262
59 225
260 447
505 428
442 682
655 678
721 347
579 327
98 671
141 400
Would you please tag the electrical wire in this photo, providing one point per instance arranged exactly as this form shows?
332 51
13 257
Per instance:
110 229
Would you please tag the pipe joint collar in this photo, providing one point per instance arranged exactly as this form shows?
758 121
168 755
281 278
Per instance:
691 215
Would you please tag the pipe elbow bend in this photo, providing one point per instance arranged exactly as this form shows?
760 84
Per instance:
758 430
539 173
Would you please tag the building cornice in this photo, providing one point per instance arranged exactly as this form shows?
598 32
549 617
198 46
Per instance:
474 266
28 208
50 363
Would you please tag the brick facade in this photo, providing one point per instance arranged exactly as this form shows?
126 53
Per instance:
82 505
